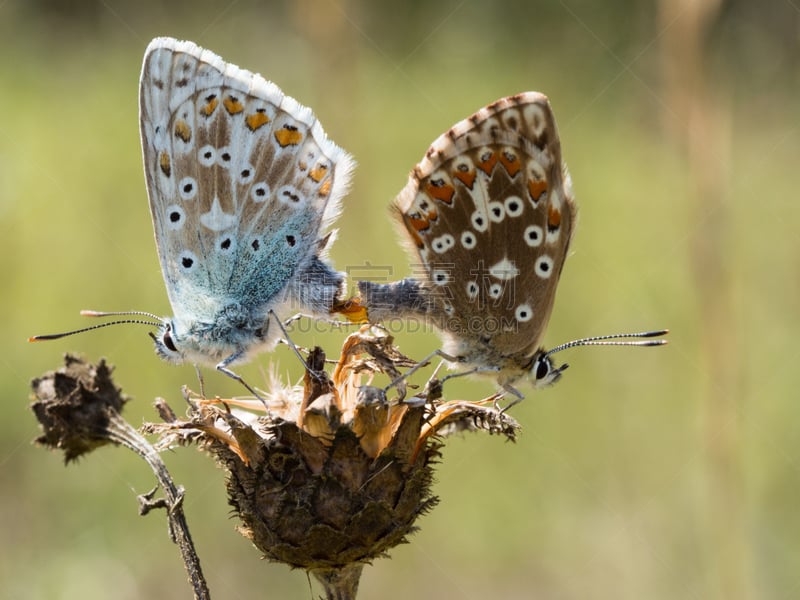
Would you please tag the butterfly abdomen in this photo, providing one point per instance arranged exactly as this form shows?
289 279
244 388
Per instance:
399 299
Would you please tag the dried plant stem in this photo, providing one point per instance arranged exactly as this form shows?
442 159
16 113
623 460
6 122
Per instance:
342 583
121 432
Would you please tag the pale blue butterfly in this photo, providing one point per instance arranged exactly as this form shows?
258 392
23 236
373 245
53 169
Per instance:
243 185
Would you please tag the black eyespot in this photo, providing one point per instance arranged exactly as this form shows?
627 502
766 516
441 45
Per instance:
290 239
175 216
208 154
261 191
166 339
256 245
225 244
544 266
513 206
226 156
187 188
186 262
479 221
496 211
245 173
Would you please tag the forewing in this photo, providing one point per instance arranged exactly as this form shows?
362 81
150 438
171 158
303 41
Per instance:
489 213
241 178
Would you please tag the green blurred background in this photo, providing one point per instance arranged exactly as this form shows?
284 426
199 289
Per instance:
659 473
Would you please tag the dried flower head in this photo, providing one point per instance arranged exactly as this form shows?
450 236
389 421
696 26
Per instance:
335 474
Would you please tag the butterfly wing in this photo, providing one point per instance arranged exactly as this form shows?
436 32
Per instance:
489 213
242 180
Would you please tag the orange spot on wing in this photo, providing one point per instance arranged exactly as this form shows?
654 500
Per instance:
466 177
553 218
232 105
536 187
256 120
325 188
442 191
511 162
165 164
288 136
414 224
210 106
182 131
487 162
318 172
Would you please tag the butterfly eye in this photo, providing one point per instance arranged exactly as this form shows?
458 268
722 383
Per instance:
542 368
167 341
544 372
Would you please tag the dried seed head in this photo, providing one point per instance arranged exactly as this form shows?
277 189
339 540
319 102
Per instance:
77 407
343 479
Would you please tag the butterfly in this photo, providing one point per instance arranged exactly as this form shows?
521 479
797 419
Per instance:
489 215
243 185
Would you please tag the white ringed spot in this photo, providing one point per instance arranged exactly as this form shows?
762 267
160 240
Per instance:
513 206
440 277
533 236
175 217
246 174
443 243
544 266
472 290
259 192
468 240
479 221
497 212
224 157
187 261
226 244
523 313
207 155
187 188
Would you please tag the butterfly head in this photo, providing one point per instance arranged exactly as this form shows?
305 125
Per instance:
543 371
165 342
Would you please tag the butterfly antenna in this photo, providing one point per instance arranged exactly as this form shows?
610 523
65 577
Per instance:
121 313
616 339
93 313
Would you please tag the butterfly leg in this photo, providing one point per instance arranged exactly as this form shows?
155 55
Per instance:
425 361
202 382
222 367
507 388
292 345
285 334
